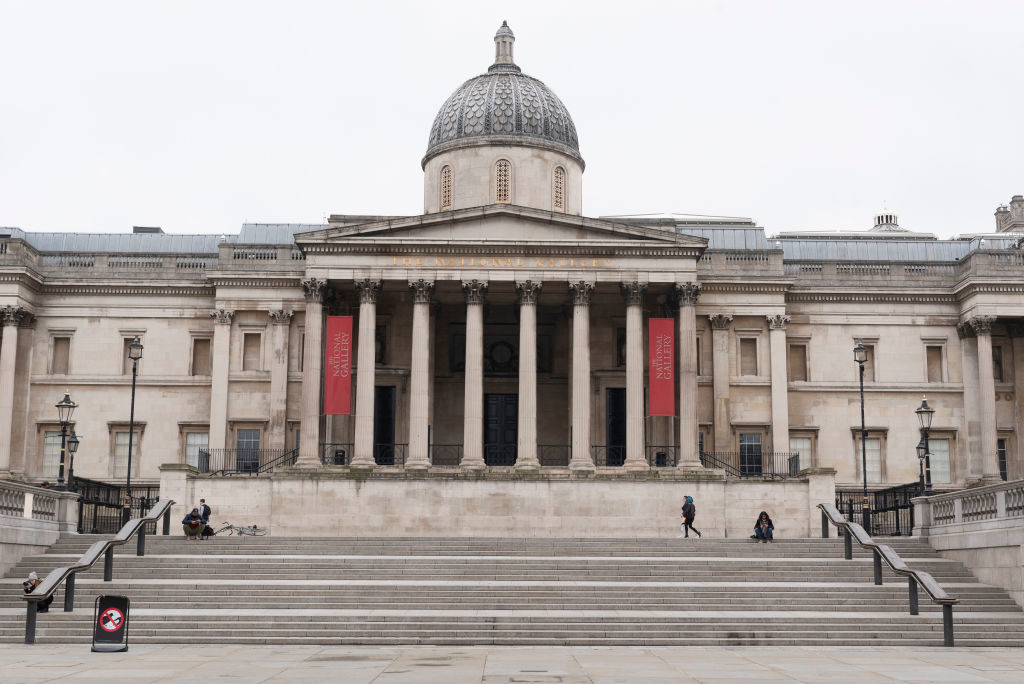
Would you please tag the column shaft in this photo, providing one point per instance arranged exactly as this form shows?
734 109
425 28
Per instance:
581 456
969 366
312 373
720 350
636 458
419 376
280 321
687 294
366 373
526 447
10 317
987 395
780 383
473 405
221 364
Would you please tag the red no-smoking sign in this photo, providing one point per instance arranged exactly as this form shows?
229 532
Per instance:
110 629
111 620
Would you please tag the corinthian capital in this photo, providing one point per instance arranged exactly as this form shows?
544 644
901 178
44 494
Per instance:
778 322
686 294
633 292
720 321
982 324
474 290
581 292
12 315
280 317
421 290
528 291
313 289
222 316
368 290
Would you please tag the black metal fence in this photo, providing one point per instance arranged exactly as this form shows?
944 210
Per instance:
892 513
775 465
611 456
662 456
554 455
445 454
244 461
100 505
336 453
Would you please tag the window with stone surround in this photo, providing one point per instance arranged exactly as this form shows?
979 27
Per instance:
748 356
503 181
201 362
60 354
939 450
446 188
802 443
875 452
559 189
869 363
251 346
750 453
797 362
51 454
196 442
119 460
934 362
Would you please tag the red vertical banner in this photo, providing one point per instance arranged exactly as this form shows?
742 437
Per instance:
661 371
338 366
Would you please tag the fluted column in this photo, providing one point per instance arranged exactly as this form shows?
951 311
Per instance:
280 320
780 382
633 292
473 405
221 364
10 318
419 376
312 372
581 292
366 373
987 399
686 295
720 351
526 448
969 364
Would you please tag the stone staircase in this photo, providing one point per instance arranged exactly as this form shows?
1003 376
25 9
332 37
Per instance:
513 592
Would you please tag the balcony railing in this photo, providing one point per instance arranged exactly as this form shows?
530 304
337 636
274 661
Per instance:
554 455
244 461
662 456
772 465
445 454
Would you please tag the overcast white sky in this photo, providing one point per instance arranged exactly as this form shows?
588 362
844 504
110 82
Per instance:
199 116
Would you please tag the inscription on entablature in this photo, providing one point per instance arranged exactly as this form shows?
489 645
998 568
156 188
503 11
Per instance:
501 262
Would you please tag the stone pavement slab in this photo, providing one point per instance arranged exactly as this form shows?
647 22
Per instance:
21 664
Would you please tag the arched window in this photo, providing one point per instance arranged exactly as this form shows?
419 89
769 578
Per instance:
503 181
558 193
446 188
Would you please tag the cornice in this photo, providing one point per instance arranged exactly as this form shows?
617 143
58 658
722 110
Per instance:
30 279
597 248
106 289
908 297
293 281
973 288
707 287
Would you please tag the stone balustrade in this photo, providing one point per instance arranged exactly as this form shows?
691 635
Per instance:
32 518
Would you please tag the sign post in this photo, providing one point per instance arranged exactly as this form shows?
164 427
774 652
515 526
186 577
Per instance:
110 624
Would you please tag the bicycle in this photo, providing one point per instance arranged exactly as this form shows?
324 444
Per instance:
250 531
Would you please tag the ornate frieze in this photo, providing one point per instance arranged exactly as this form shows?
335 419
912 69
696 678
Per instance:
581 292
982 324
528 292
474 290
685 294
368 290
720 321
280 317
778 321
313 289
222 316
421 290
633 292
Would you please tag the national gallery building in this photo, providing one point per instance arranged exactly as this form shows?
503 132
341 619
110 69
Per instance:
504 337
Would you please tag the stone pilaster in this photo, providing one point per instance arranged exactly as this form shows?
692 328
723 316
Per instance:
473 405
686 295
366 373
720 363
982 326
581 292
280 320
419 376
633 292
972 403
313 289
526 448
220 366
10 319
780 382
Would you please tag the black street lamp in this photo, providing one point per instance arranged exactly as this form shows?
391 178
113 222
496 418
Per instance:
860 355
134 353
65 409
922 452
925 413
72 449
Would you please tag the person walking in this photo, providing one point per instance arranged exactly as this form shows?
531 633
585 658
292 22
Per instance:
689 512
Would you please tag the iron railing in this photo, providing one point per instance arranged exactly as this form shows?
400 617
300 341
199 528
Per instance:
243 461
611 456
773 465
892 513
554 455
500 454
445 454
662 456
336 453
389 454
100 504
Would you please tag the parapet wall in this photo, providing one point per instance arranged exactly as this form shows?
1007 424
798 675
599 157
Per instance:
340 503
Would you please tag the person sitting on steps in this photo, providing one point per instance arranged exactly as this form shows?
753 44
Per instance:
193 524
29 585
763 528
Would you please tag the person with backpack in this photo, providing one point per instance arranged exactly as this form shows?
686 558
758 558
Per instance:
205 512
689 512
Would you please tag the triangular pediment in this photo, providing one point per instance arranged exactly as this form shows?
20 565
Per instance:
500 224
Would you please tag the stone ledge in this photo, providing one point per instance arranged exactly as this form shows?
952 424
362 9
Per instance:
506 474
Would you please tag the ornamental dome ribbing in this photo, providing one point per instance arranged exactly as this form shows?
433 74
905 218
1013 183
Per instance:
505 107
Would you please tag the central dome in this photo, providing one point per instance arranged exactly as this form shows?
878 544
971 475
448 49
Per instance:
505 107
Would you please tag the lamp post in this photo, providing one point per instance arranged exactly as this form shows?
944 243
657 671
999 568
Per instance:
72 449
922 451
925 413
65 409
134 353
860 355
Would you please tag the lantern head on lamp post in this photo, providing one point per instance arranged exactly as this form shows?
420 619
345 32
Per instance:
860 355
922 451
134 353
925 413
72 449
65 409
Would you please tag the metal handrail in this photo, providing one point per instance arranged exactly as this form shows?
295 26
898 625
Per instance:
105 548
880 552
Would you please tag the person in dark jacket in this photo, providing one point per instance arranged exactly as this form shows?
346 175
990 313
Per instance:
764 528
30 584
689 512
193 524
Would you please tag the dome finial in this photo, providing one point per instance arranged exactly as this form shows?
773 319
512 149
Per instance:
503 41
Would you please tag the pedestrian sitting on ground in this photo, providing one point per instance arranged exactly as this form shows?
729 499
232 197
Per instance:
30 584
763 528
193 524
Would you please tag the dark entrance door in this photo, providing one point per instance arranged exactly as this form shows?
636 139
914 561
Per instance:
615 425
384 425
501 428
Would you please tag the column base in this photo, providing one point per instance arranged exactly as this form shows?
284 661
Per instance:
529 465
417 467
585 466
364 462
990 479
473 465
635 466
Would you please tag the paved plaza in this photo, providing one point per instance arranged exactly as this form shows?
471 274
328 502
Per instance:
508 665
